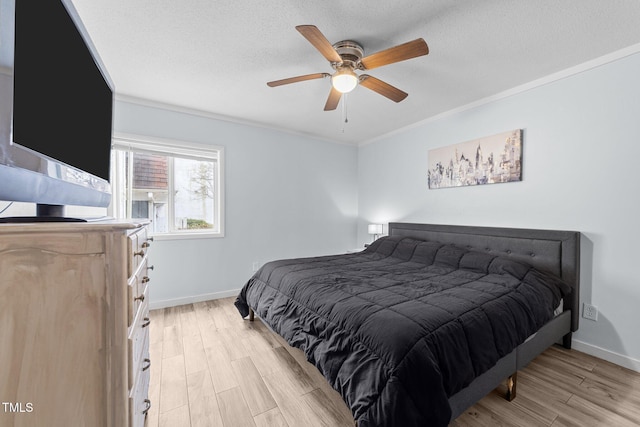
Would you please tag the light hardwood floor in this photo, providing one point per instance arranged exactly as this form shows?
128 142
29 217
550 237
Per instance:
211 368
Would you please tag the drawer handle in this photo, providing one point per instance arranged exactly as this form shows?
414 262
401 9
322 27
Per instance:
146 244
141 298
146 323
145 279
150 267
148 364
148 403
139 253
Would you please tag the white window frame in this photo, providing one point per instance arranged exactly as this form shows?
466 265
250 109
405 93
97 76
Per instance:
174 148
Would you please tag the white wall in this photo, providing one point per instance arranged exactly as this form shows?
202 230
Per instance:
286 196
581 150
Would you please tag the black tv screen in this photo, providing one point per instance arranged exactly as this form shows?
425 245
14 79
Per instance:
62 105
56 103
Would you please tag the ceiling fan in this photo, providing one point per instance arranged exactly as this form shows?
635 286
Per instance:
347 56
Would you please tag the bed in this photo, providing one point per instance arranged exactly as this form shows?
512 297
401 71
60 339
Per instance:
426 321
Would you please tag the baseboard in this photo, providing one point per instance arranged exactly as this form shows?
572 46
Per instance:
153 305
609 356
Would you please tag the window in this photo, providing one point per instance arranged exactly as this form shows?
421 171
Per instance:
175 184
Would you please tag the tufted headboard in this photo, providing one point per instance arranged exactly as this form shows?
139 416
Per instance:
556 251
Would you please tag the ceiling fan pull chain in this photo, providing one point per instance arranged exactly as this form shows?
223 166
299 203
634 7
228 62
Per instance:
344 108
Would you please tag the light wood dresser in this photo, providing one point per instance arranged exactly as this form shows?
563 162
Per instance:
74 324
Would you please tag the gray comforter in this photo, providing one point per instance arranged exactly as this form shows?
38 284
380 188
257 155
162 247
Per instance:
400 327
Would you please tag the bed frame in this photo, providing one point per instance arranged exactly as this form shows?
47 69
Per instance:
555 251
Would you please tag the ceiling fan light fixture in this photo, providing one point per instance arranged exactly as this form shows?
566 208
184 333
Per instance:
344 80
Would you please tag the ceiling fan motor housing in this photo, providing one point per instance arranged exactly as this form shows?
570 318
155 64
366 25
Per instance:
350 52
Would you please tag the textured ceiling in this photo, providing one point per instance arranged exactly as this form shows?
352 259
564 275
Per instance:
217 56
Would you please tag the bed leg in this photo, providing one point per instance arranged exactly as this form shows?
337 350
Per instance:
252 315
566 340
511 386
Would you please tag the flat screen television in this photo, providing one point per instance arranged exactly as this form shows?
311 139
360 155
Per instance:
56 105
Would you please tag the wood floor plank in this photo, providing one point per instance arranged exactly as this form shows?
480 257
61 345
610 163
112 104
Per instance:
156 327
270 418
195 359
173 384
271 339
621 392
568 368
477 416
253 388
509 415
187 315
290 368
210 336
606 394
333 413
295 410
232 343
604 416
567 415
177 417
576 358
260 338
219 316
317 379
220 368
203 315
609 399
543 390
172 316
172 341
536 410
555 378
203 401
617 375
265 360
229 308
234 409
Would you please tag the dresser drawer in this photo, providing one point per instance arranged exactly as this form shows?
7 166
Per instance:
132 247
139 343
139 402
137 291
138 245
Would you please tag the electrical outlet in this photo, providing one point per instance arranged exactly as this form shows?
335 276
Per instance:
590 311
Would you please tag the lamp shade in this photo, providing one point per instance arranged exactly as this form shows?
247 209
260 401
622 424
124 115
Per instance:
375 228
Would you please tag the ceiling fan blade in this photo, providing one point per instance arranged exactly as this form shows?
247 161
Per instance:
320 42
333 99
384 89
412 49
297 79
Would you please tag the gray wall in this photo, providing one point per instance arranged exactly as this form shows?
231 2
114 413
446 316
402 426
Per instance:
581 151
286 196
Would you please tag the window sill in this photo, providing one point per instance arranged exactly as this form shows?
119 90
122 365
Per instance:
187 236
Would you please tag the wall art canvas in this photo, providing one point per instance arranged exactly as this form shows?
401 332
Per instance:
489 160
